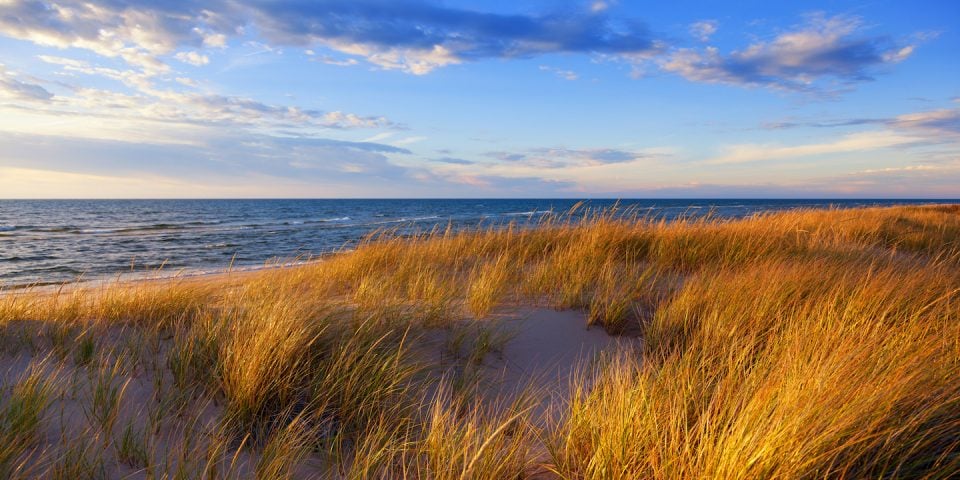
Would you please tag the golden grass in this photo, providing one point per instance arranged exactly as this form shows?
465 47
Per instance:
802 344
832 371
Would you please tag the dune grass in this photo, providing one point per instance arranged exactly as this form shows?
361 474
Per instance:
800 344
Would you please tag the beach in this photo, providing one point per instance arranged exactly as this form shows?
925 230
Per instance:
818 342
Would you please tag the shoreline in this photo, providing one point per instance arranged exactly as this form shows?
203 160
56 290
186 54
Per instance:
133 278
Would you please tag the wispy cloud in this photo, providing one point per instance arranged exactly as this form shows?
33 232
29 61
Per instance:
152 103
567 157
453 161
13 88
933 127
600 5
409 140
561 73
944 121
935 122
704 29
855 142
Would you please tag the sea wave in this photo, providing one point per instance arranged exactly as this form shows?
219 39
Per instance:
59 229
220 245
158 228
28 258
406 220
330 220
527 214
287 223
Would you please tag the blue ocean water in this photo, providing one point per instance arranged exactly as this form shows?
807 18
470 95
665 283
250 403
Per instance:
54 241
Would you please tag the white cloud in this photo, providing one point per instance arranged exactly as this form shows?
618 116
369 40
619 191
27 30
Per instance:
855 142
133 78
409 140
347 62
944 122
170 117
563 158
898 55
192 58
410 60
379 137
564 74
214 40
189 82
908 168
599 6
704 29
138 36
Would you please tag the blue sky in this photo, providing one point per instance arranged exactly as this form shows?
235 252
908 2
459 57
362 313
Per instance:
137 98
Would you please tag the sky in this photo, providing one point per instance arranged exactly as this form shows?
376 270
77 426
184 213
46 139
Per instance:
449 99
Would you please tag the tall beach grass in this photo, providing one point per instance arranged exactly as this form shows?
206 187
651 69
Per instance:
799 344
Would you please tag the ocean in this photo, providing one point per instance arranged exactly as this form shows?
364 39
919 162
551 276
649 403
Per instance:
46 242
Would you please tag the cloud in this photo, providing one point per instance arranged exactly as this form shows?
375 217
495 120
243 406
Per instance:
935 122
235 110
910 181
312 142
347 62
132 78
218 155
908 168
137 35
599 6
192 58
408 35
150 103
704 29
567 157
514 187
918 129
564 74
410 140
12 88
783 125
236 165
215 40
942 122
453 161
417 36
798 60
855 142
909 185
186 81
